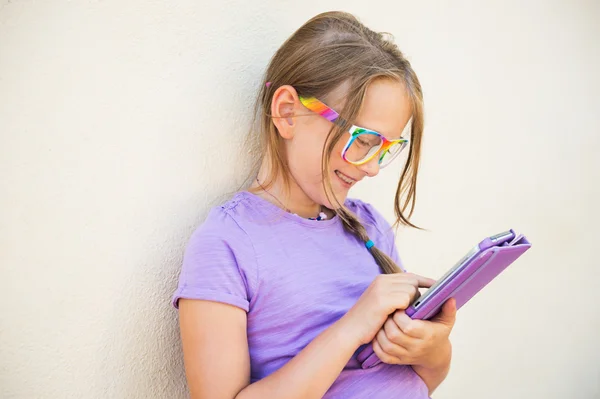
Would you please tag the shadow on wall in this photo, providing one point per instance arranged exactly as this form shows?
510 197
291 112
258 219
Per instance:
142 356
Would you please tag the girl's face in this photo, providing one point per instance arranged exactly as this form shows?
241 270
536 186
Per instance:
386 109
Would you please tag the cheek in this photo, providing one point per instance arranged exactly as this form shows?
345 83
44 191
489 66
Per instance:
304 156
336 161
307 151
335 158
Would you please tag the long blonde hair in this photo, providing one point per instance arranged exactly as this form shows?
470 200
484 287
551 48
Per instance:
331 49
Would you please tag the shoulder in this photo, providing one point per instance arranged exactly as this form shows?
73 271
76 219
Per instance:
219 261
221 229
225 220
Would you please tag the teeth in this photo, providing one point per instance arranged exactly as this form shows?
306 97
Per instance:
344 178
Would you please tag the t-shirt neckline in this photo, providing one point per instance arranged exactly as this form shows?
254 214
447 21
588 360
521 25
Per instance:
275 210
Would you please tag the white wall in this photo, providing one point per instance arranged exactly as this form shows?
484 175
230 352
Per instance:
113 116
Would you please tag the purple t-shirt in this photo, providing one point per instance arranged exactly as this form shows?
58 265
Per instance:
294 277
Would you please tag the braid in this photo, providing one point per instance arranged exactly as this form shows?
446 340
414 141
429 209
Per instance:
354 226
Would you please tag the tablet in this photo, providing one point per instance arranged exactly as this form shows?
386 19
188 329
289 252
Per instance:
471 273
465 279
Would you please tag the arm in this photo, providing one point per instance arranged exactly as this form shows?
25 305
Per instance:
215 344
217 363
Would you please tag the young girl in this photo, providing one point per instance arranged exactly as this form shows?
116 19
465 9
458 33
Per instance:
286 285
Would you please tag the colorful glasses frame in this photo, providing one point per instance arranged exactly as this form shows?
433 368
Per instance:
330 114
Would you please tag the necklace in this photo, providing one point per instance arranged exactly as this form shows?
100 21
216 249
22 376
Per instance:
322 215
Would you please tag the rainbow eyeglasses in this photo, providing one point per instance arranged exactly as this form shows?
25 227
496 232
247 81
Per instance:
363 144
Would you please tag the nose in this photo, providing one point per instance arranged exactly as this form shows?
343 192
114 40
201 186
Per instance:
371 168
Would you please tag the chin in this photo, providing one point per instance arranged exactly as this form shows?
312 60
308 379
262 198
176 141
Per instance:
340 195
340 191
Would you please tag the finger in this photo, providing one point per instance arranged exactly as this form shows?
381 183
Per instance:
396 336
411 290
410 327
382 355
448 314
424 282
417 296
400 299
415 279
386 345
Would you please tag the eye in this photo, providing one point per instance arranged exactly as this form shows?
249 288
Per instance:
363 142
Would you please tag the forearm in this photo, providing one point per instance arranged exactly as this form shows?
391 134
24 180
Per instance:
312 371
433 375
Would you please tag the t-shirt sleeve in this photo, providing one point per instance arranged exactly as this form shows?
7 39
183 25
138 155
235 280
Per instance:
219 263
388 237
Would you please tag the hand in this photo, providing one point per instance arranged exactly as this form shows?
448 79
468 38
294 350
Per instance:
386 294
425 343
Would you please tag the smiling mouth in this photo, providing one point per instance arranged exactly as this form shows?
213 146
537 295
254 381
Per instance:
346 179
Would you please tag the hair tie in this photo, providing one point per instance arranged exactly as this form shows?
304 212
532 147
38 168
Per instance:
268 84
369 244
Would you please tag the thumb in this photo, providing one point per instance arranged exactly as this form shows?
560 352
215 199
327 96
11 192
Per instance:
448 314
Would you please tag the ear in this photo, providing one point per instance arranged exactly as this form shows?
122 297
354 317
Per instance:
283 106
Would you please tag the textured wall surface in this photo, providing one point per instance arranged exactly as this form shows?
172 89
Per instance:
113 116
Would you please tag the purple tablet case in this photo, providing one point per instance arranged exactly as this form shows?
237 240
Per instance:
469 276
